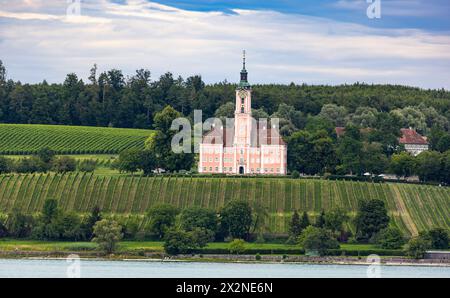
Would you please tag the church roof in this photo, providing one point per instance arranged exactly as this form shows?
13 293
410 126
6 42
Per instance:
225 136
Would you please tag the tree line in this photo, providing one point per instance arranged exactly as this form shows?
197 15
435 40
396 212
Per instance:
372 225
190 229
43 161
111 98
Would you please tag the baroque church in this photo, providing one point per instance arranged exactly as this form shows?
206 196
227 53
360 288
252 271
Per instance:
247 147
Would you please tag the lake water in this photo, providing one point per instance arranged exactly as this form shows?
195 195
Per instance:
128 269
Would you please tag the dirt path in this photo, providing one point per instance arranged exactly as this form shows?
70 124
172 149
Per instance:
404 214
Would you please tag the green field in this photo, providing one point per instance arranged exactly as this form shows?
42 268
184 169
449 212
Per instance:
23 139
412 207
153 246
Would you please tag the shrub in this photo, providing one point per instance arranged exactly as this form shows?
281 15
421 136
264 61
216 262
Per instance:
88 165
107 234
131 226
201 237
317 240
46 155
161 218
197 217
3 230
68 227
335 219
295 174
417 247
352 240
54 224
439 238
64 164
5 165
390 238
129 160
30 165
237 246
178 242
19 225
260 239
258 257
292 240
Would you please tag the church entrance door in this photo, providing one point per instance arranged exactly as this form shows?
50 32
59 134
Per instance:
241 170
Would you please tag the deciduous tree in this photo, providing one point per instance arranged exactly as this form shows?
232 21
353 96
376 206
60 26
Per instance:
236 219
371 218
107 234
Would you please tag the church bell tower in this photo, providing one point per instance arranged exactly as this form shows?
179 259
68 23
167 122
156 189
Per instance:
243 112
243 92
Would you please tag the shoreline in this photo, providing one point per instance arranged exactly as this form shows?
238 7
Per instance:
230 259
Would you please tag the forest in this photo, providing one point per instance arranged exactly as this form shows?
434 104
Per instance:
372 114
113 99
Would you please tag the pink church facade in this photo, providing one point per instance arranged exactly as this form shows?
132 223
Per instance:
246 147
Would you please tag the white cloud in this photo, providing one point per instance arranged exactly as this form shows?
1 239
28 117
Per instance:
40 41
410 8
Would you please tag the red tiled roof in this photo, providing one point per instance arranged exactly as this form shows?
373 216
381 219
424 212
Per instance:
272 138
410 136
219 136
226 136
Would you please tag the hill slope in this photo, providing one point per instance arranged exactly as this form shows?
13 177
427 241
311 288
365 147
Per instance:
412 207
27 139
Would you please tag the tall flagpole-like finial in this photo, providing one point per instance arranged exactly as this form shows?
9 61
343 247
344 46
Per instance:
244 75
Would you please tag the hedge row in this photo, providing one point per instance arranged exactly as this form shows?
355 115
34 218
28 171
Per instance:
298 251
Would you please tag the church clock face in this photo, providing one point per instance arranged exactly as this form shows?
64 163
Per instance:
242 94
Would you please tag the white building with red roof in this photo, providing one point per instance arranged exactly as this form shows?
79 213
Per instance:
245 148
413 142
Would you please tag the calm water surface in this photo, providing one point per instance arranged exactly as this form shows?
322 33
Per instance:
115 269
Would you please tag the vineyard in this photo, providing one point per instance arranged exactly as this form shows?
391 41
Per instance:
412 207
23 139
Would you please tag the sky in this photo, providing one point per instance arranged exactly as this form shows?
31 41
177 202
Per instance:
302 41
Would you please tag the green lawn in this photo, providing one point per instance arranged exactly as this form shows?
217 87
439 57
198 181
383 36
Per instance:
31 245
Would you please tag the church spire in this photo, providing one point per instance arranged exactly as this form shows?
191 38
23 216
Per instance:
244 82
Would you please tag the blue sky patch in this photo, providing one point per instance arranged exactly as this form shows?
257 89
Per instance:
413 14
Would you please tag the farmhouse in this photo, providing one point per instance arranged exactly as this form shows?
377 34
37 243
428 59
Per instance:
414 143
246 147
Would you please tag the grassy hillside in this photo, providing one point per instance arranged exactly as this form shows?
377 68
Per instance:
412 207
27 139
